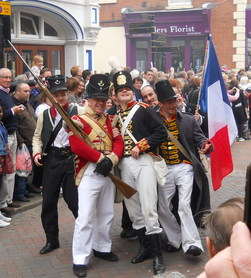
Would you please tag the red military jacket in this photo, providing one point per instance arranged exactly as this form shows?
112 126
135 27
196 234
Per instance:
99 141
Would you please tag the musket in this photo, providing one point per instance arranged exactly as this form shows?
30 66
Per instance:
124 188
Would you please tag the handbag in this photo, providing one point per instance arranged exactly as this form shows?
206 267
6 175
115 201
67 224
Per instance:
23 161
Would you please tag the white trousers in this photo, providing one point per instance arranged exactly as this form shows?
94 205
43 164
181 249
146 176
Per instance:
142 206
8 180
95 215
180 176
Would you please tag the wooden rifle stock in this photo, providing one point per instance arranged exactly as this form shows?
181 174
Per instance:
125 189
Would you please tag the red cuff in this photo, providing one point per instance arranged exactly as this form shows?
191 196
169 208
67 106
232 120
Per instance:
143 145
34 156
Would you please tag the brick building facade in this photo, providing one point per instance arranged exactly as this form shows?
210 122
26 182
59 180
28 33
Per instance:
227 24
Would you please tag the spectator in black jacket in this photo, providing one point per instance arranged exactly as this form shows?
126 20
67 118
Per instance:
10 122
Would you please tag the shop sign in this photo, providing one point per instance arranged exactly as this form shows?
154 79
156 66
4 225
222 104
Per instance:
5 8
180 29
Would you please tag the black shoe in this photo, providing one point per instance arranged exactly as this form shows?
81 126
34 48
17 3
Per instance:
158 265
158 262
49 247
80 270
169 248
7 211
13 205
34 189
145 248
193 251
29 195
129 234
108 256
22 199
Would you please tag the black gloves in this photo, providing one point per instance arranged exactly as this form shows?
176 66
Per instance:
104 167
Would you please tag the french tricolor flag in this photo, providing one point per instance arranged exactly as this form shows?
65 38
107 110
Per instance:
222 128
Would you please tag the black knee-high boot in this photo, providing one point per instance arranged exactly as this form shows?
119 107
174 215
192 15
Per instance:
158 262
145 247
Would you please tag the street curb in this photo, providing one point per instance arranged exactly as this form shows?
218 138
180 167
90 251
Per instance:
34 202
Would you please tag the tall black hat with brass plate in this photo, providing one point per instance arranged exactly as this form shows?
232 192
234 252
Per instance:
98 86
122 79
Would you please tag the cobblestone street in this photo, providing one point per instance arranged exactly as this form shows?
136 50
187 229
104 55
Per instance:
21 242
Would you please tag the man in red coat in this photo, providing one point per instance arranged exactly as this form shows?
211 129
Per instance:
97 155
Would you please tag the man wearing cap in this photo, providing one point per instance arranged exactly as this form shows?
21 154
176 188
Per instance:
143 132
184 167
51 150
96 156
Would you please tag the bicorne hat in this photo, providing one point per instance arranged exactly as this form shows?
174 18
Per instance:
56 83
98 86
122 79
164 91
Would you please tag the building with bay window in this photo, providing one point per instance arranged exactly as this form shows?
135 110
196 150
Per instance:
64 32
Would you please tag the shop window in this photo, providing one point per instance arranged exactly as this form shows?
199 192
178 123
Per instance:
141 54
49 30
94 16
29 24
177 54
248 58
197 54
141 44
141 59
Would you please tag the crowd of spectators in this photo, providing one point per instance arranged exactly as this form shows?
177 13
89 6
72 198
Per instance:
21 102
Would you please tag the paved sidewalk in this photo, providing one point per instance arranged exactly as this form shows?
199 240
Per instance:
21 241
20 244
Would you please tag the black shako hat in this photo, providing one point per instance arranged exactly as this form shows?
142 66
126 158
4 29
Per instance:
98 86
122 79
56 83
164 91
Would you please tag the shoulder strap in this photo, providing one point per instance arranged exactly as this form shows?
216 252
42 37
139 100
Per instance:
128 119
53 135
96 126
178 144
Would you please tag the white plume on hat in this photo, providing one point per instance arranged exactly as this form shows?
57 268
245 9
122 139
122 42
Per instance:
243 82
114 63
134 73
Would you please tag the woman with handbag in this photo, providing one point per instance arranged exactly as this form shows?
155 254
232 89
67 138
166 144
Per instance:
4 221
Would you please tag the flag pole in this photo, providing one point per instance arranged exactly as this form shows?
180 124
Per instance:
204 71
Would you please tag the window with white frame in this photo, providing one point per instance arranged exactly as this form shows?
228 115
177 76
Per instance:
30 25
94 16
179 3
